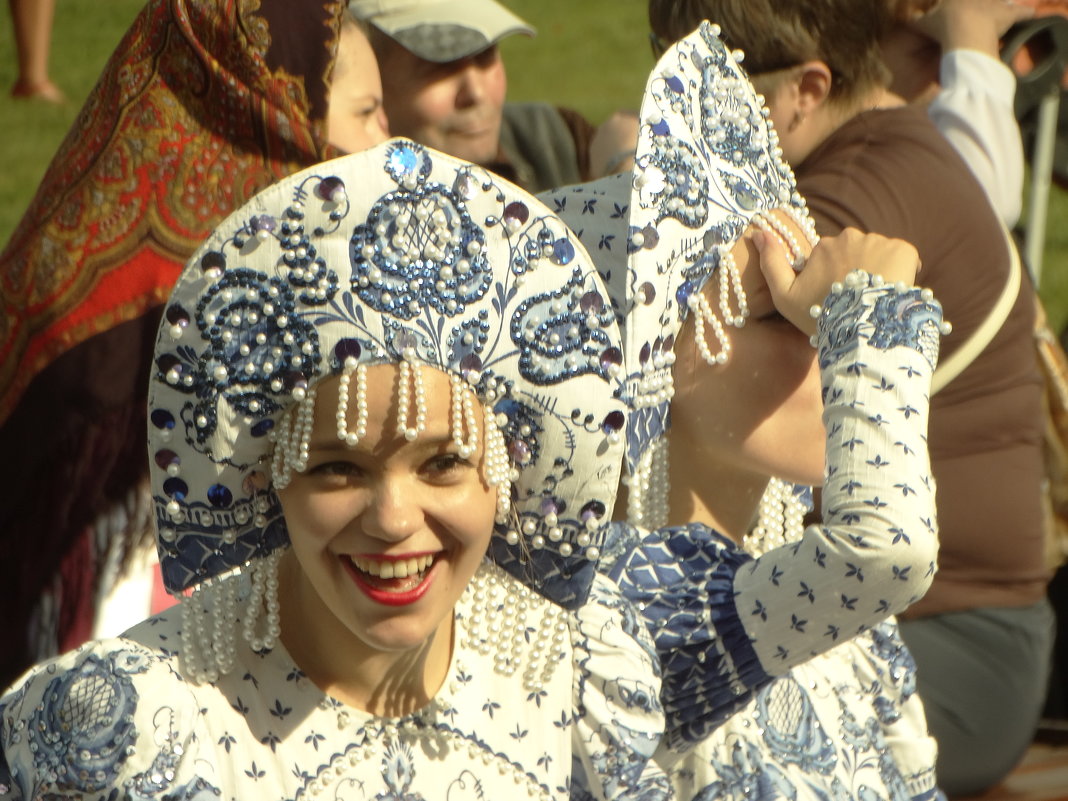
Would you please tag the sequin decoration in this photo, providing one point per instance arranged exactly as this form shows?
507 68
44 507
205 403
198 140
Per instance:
434 262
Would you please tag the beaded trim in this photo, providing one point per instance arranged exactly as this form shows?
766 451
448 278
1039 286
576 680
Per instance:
434 263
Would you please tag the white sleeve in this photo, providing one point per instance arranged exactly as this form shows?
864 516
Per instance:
725 624
874 553
974 111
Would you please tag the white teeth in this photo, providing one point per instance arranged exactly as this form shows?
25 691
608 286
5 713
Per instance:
386 570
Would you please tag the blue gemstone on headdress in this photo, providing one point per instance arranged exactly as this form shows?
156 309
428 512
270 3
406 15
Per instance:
293 378
516 213
591 302
682 294
168 361
550 506
519 451
661 128
175 488
402 161
652 237
262 223
346 348
563 251
213 260
746 196
161 418
713 236
166 458
613 422
176 315
674 83
470 363
465 186
594 509
643 354
220 496
611 357
330 188
262 428
405 339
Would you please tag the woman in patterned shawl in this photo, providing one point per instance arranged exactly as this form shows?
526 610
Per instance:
201 105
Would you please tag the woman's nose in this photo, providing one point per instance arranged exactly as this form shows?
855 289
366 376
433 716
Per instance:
394 512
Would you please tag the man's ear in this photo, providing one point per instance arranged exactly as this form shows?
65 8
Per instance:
813 81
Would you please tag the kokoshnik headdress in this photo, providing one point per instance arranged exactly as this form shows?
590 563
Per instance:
707 164
395 255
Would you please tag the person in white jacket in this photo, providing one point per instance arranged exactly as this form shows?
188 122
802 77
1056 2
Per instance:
947 56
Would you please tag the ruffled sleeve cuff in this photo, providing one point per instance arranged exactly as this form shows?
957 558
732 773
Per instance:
682 582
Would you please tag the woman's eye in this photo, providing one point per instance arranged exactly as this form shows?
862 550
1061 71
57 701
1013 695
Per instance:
344 469
445 463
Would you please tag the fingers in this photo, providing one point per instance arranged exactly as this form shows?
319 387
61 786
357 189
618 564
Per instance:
789 290
774 264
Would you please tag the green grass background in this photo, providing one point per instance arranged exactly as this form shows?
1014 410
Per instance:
592 55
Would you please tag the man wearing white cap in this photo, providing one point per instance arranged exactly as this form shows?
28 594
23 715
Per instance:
444 85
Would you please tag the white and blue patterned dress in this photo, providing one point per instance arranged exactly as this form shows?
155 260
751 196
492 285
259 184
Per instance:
748 712
785 678
116 719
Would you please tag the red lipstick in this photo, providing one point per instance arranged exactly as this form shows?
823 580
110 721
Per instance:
379 592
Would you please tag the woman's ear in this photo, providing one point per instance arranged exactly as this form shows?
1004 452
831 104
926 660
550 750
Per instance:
813 81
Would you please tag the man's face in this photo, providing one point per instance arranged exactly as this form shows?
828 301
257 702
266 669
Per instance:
453 107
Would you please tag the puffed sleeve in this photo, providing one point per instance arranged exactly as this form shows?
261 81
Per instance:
725 623
102 719
618 717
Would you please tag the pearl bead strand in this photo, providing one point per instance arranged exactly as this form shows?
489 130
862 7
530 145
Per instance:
350 438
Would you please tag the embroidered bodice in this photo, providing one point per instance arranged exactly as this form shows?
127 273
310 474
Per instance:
118 714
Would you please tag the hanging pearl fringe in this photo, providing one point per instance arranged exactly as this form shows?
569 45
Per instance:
499 470
780 519
410 384
209 620
781 513
502 610
351 438
293 432
729 278
291 437
648 488
463 415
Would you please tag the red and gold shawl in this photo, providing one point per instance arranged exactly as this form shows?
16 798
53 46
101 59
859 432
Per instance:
203 103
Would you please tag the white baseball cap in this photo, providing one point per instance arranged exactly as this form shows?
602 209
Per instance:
441 30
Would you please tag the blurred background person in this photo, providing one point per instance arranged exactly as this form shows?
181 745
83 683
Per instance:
445 84
32 23
865 158
201 106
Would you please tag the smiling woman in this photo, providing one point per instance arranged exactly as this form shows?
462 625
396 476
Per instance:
371 376
386 535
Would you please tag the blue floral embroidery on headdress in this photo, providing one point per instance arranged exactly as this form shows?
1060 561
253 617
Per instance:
436 261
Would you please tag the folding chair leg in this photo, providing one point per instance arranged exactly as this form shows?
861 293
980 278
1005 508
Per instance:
1041 173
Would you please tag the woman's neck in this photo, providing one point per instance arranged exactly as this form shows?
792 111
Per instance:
386 683
720 496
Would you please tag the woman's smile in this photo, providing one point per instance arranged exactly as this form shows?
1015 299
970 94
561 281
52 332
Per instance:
393 581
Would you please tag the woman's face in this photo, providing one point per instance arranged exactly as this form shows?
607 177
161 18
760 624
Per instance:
389 532
761 412
355 116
